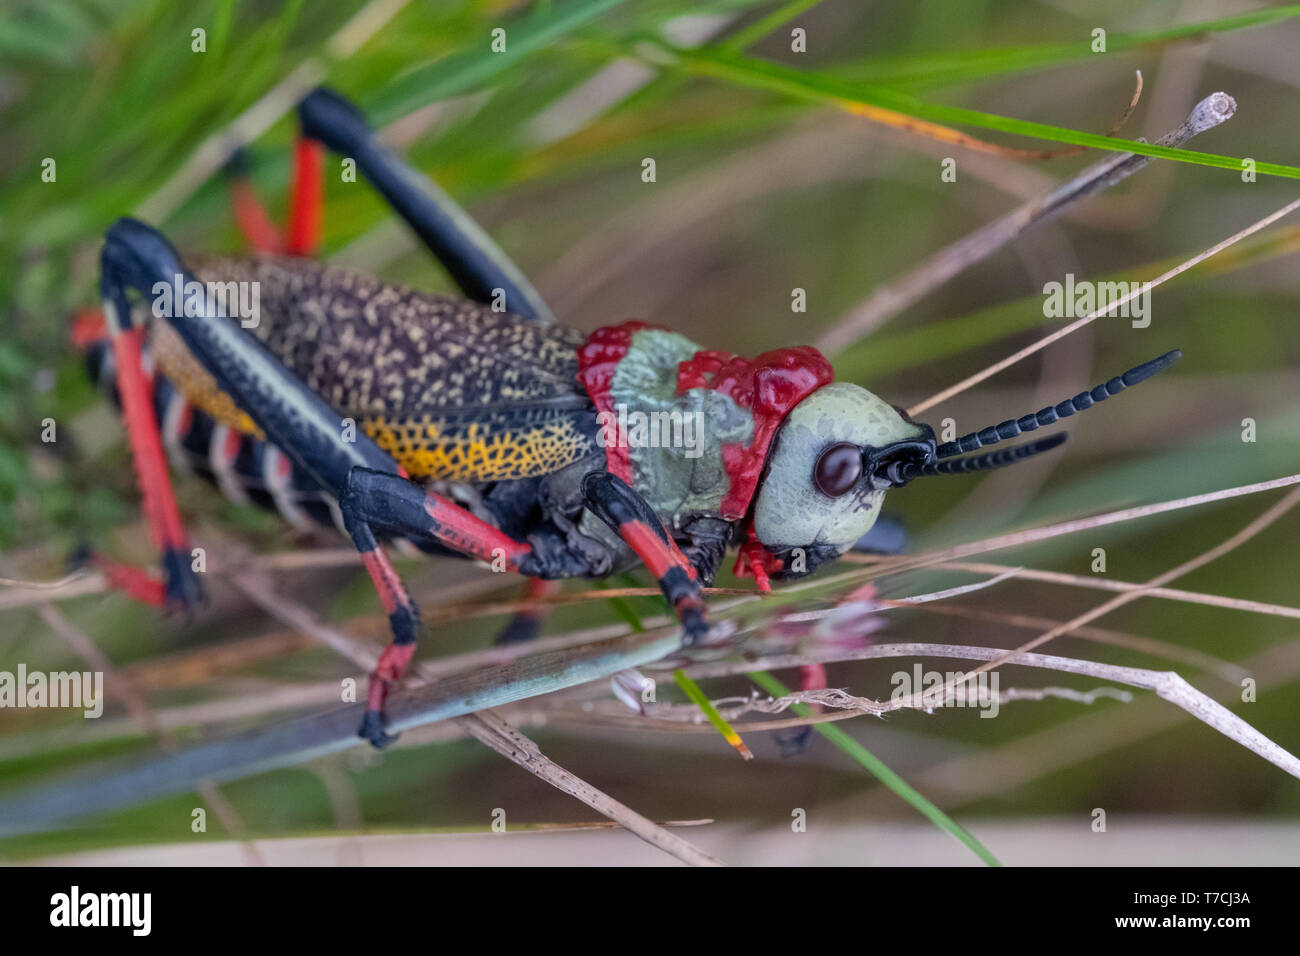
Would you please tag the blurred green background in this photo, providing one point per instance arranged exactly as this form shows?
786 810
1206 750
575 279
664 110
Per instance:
757 193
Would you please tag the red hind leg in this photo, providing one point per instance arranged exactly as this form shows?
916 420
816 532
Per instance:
252 219
90 332
306 203
182 585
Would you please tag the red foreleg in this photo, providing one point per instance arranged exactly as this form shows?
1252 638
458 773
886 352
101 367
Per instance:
633 520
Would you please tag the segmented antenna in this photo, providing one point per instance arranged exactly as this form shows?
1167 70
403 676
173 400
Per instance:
1052 413
985 462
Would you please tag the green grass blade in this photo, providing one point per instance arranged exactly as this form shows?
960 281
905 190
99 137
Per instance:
701 700
470 68
873 765
760 74
765 25
624 610
928 70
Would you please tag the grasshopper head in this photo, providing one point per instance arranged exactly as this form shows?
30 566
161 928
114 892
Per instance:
835 455
841 448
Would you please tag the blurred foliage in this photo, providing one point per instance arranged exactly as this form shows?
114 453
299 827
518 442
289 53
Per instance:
758 192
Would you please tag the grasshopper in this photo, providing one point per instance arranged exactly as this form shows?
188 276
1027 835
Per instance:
480 426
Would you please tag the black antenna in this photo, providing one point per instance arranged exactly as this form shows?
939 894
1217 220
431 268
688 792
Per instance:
1052 413
988 461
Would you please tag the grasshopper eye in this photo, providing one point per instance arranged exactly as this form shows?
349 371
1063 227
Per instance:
838 469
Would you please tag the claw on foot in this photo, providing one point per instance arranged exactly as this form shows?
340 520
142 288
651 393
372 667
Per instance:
372 729
796 741
692 612
184 592
137 583
389 670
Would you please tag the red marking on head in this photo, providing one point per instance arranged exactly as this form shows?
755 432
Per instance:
767 386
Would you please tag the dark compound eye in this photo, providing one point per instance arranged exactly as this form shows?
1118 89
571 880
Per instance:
838 469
